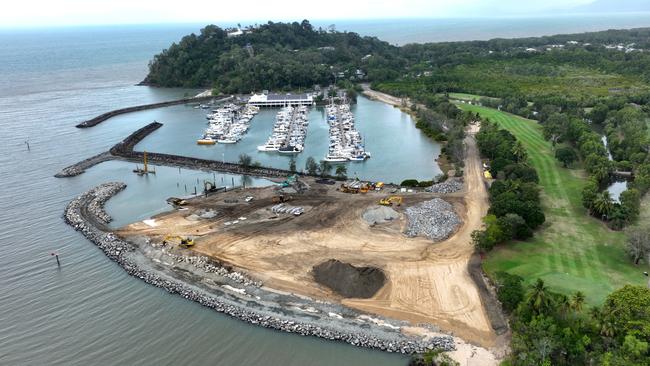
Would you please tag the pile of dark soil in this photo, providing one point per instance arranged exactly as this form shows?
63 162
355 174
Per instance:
348 280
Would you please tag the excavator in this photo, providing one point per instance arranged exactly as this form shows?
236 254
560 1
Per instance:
176 239
390 200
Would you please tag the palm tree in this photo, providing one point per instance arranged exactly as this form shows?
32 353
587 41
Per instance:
600 173
603 204
564 304
311 166
325 168
245 160
577 301
341 171
538 298
519 151
292 165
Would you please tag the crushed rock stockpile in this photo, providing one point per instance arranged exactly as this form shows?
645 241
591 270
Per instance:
349 281
85 212
434 219
380 215
451 185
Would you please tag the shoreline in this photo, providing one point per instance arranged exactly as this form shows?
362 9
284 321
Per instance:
240 298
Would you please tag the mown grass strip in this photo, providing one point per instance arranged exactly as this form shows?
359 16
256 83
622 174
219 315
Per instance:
572 251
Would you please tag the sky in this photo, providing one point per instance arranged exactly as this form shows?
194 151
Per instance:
28 13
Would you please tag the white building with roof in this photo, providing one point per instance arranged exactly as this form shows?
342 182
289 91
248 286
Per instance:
280 100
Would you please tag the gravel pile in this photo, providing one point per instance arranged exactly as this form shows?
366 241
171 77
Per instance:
451 185
380 215
119 250
434 219
203 215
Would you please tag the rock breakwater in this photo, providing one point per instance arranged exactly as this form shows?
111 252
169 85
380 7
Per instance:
85 212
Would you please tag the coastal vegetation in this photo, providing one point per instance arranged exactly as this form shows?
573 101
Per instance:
572 251
554 325
515 209
272 56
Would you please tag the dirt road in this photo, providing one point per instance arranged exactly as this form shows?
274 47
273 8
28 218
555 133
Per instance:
437 288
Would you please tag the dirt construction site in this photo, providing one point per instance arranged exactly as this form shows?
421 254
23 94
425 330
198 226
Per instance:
311 244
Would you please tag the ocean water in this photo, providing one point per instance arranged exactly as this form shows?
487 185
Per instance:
397 31
89 311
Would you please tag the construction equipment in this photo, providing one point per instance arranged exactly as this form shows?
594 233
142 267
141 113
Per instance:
179 240
391 200
145 169
280 199
348 189
289 181
175 201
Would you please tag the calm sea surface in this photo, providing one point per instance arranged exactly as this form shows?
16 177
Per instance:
90 311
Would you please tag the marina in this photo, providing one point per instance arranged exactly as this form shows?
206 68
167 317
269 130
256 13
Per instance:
382 127
289 131
228 124
345 142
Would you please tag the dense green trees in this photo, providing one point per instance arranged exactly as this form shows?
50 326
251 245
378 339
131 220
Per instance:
278 56
566 155
515 207
553 329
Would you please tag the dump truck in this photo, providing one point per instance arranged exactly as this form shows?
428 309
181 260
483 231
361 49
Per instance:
348 189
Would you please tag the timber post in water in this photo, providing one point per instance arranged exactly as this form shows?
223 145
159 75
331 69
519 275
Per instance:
56 255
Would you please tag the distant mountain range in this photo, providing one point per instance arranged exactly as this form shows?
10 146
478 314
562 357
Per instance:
612 6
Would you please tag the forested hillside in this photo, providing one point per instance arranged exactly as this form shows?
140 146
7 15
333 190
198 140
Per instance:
271 56
287 56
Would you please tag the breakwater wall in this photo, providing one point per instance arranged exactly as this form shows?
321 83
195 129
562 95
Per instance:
103 117
85 211
124 151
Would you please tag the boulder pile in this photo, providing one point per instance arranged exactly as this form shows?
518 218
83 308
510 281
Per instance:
451 185
434 219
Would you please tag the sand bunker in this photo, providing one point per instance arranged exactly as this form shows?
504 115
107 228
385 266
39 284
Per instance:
348 280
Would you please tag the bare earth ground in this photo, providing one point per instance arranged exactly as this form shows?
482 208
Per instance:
427 283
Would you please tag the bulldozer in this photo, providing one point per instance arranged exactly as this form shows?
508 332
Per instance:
391 200
176 239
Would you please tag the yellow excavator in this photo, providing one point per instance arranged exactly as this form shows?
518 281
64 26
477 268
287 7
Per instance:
391 200
179 240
